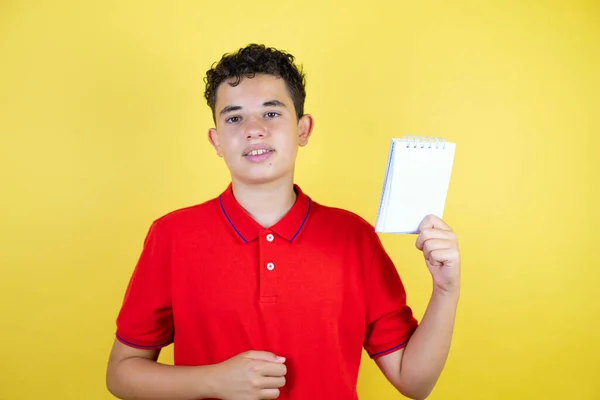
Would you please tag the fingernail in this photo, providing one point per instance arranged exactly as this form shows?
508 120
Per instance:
282 359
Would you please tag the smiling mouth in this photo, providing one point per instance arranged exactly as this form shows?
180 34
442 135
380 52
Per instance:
258 152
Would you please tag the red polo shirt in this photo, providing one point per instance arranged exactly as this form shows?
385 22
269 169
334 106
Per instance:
316 288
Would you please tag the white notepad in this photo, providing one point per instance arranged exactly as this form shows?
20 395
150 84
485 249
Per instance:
416 183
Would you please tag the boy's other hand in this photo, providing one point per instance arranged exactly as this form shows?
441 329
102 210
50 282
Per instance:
252 375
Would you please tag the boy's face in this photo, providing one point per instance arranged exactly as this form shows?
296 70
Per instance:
257 132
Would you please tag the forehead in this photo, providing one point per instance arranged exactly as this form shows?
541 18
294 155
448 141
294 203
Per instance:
253 91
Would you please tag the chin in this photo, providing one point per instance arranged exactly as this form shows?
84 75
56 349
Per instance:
258 174
259 178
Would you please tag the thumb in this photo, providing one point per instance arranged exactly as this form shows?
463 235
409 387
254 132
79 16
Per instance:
264 356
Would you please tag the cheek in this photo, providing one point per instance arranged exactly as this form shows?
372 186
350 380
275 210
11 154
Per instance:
289 150
229 142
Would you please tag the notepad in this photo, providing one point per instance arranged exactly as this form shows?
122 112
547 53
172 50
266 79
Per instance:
416 183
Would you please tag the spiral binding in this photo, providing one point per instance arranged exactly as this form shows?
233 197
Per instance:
424 141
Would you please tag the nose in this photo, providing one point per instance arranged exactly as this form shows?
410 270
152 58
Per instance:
255 129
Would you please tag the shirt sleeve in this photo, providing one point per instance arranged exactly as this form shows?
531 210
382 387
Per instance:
390 321
146 319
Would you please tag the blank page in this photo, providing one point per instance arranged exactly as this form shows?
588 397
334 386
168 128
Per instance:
416 184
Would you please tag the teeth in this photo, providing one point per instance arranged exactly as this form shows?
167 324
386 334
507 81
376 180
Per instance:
258 152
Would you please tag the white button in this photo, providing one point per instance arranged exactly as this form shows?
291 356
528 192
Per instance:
270 266
270 237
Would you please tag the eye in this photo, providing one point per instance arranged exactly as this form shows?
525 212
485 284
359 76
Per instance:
272 114
233 120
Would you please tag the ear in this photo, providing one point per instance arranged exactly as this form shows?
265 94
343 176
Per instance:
305 128
213 138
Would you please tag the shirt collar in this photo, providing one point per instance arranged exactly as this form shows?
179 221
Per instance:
247 229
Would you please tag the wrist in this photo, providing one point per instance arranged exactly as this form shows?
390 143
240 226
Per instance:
451 295
208 380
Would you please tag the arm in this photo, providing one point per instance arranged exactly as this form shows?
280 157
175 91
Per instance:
135 374
415 369
146 318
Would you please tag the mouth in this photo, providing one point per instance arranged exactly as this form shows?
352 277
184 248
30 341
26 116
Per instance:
258 155
257 152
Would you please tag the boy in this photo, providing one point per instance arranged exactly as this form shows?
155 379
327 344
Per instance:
266 293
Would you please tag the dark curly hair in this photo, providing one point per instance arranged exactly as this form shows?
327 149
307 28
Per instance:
257 59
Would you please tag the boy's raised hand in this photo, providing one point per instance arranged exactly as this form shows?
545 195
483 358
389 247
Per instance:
439 245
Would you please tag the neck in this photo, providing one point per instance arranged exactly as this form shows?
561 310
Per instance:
267 203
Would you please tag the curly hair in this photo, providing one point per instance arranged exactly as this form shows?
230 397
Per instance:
257 59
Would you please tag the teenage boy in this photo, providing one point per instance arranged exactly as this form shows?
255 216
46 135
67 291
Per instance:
264 292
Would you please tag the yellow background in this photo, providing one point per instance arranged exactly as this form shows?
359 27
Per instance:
103 128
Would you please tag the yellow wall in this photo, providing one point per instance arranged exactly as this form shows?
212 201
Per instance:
103 128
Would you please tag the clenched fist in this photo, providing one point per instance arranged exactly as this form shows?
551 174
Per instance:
440 249
253 375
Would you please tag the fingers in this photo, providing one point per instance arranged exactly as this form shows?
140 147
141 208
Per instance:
267 363
432 234
434 245
264 356
270 369
269 393
273 382
439 257
433 222
269 387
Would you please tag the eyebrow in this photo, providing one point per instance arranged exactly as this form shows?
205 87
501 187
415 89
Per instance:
270 103
227 109
273 103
